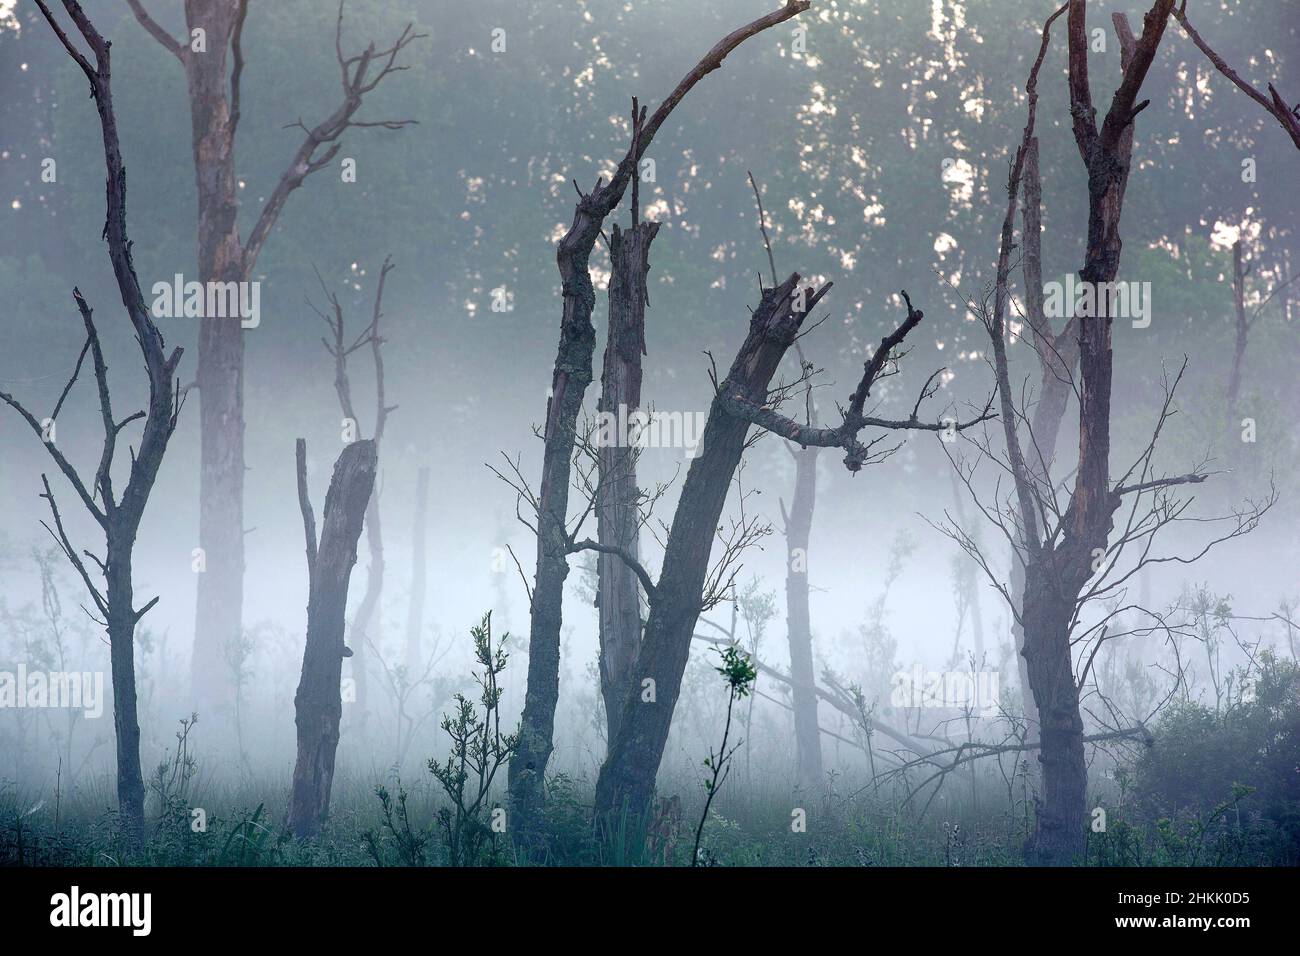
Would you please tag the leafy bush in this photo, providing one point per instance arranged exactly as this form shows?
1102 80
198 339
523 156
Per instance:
1239 767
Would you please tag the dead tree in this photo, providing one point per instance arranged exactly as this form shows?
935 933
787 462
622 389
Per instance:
1064 547
318 704
214 31
419 575
572 375
118 516
687 586
618 594
797 526
339 349
1288 117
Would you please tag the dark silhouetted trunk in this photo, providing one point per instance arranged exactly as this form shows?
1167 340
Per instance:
119 517
318 704
627 778
570 378
121 650
419 575
619 592
1056 575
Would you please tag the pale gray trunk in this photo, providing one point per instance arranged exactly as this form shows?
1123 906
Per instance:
419 576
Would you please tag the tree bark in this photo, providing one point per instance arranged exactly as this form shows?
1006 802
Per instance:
318 704
121 649
619 592
419 575
627 777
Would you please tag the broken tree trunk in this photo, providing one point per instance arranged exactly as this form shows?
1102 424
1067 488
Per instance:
318 703
1056 575
572 374
419 575
627 777
618 594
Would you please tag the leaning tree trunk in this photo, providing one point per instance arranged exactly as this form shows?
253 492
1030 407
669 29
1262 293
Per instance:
627 777
419 576
570 378
318 704
618 590
798 531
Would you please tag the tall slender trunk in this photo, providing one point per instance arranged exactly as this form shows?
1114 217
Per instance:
318 704
619 591
798 532
220 376
419 575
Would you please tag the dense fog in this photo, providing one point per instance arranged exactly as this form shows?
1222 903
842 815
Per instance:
881 138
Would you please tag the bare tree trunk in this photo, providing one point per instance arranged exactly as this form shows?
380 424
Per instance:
1060 837
119 517
798 532
571 376
419 575
627 777
318 704
619 592
220 378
